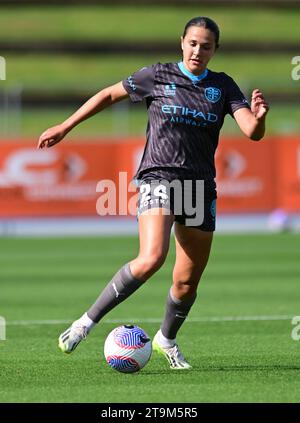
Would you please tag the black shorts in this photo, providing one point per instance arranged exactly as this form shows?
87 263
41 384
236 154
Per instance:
192 202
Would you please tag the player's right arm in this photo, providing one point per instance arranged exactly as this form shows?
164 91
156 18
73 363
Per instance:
95 104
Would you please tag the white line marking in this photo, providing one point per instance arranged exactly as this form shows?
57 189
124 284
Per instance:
156 320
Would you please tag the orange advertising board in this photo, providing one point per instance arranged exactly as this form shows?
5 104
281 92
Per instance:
244 176
61 180
68 180
287 175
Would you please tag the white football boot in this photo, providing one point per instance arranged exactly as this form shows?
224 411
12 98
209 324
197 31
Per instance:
172 354
68 340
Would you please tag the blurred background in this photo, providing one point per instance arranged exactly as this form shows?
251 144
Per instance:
55 56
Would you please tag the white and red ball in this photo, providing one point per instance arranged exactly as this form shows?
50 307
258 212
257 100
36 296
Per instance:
127 348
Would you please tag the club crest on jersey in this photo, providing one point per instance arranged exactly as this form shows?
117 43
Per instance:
212 94
170 89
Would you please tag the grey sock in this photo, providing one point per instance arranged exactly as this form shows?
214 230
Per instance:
122 285
176 312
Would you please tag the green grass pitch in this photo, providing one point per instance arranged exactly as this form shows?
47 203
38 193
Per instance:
251 359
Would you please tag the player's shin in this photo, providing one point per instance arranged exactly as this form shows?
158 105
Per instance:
122 285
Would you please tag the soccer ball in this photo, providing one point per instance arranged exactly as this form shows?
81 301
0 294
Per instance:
127 349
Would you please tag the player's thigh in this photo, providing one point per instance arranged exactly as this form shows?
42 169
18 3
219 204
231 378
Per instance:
154 231
193 248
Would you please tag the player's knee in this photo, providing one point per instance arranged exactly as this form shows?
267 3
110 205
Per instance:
151 263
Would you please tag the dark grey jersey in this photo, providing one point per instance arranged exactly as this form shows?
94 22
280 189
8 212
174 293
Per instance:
185 115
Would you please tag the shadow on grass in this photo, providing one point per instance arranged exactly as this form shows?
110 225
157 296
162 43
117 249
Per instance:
246 368
233 368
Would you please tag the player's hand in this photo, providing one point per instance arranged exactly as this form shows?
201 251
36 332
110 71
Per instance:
259 106
51 136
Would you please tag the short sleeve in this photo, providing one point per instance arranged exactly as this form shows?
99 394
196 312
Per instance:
140 84
235 99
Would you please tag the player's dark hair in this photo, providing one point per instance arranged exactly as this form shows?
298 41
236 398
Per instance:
205 23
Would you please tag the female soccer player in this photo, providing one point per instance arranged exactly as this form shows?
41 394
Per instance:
186 105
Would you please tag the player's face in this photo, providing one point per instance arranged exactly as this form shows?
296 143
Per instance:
198 47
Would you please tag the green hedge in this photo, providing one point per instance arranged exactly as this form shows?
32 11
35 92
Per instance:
144 23
91 73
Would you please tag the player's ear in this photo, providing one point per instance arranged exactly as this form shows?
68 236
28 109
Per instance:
181 42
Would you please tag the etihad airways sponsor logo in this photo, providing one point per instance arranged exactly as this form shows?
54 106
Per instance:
173 109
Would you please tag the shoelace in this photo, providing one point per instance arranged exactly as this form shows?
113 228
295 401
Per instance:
81 331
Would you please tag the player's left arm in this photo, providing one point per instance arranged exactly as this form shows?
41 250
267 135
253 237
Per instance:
252 122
